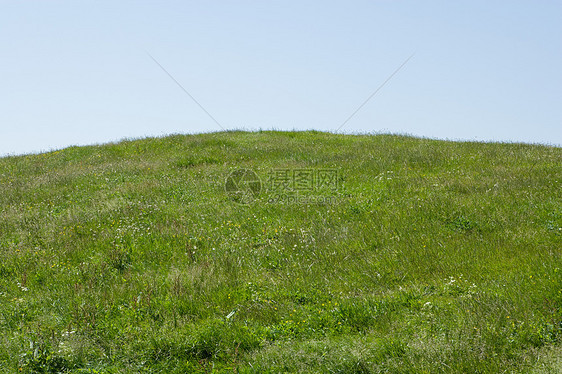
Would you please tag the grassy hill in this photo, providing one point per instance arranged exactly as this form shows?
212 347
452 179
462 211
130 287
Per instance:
355 254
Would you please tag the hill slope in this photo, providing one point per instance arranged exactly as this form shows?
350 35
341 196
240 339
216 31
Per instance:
354 254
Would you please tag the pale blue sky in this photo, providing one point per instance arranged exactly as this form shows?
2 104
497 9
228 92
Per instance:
77 72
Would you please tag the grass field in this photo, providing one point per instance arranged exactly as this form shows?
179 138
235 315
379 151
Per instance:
404 255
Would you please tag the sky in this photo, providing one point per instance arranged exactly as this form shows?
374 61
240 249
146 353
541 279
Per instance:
81 72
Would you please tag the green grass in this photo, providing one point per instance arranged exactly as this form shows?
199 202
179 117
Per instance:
430 257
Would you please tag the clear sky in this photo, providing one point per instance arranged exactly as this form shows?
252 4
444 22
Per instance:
78 72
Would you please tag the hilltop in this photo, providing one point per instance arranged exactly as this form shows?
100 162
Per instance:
282 252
